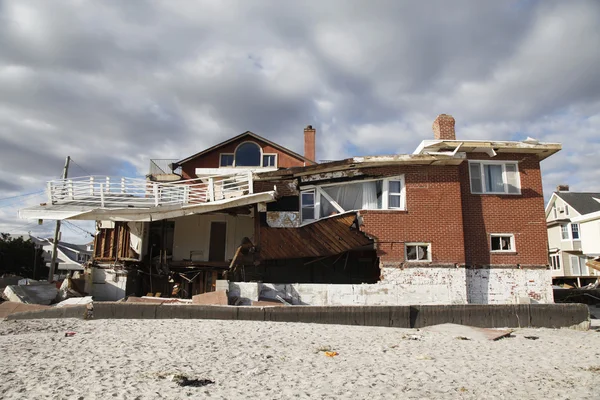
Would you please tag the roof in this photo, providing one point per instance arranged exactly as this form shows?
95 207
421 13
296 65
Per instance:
582 202
361 162
253 135
530 146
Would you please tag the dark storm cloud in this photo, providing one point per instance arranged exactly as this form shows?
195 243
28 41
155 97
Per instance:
118 82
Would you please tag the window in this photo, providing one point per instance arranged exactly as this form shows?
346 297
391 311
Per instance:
307 205
494 177
417 251
575 266
566 209
395 194
575 231
269 160
226 160
382 194
554 211
502 242
248 154
564 231
555 261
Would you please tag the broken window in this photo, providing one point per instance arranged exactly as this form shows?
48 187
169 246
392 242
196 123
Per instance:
307 205
379 194
226 160
418 252
494 177
502 242
248 154
269 160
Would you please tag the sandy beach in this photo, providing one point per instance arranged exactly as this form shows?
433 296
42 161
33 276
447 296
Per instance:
138 359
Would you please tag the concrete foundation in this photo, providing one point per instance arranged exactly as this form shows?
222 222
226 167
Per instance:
412 286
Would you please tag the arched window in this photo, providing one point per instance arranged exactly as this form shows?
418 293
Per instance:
247 155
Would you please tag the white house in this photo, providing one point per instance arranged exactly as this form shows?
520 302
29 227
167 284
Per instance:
573 223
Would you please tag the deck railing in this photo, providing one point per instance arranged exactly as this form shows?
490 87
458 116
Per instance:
110 192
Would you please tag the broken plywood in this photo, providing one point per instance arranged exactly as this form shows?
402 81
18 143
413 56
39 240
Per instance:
468 332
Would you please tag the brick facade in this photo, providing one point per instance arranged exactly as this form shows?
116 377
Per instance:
441 210
433 215
212 159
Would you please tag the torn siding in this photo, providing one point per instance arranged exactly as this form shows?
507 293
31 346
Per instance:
331 175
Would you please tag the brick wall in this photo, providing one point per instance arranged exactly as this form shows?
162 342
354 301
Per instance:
433 215
522 215
212 160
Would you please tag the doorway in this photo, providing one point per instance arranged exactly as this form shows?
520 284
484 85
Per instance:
218 238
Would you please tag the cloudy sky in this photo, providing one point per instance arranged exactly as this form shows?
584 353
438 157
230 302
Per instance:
116 83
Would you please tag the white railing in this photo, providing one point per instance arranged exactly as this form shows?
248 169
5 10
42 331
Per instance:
110 192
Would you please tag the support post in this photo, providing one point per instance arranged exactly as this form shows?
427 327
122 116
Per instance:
102 195
155 190
250 184
50 193
211 189
57 229
91 186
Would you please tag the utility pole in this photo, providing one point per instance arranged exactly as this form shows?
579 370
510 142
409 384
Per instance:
57 230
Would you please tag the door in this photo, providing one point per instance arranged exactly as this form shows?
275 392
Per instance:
218 237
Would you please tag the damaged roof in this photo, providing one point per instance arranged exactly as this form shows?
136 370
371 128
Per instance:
531 146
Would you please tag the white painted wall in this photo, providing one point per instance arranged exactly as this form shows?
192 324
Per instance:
414 286
590 237
192 233
509 286
106 284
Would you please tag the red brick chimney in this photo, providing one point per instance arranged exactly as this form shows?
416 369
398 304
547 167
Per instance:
443 127
309 143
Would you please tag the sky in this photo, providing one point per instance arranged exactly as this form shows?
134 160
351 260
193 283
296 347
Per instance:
116 83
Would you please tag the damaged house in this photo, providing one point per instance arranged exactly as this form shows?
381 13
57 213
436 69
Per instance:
455 222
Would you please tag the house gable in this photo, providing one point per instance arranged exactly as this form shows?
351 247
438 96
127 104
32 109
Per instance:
211 157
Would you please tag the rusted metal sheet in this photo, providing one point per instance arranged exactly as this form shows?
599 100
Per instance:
329 236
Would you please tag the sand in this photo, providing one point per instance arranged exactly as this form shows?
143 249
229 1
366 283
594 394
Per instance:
135 359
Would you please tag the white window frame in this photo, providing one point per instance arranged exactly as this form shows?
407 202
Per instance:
315 208
318 190
248 166
571 225
568 230
408 244
566 209
555 260
385 202
554 212
262 160
513 247
504 176
226 154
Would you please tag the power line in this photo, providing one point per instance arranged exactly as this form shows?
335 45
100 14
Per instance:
83 169
70 224
22 195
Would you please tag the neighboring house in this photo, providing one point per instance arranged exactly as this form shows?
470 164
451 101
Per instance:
456 222
69 257
573 221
